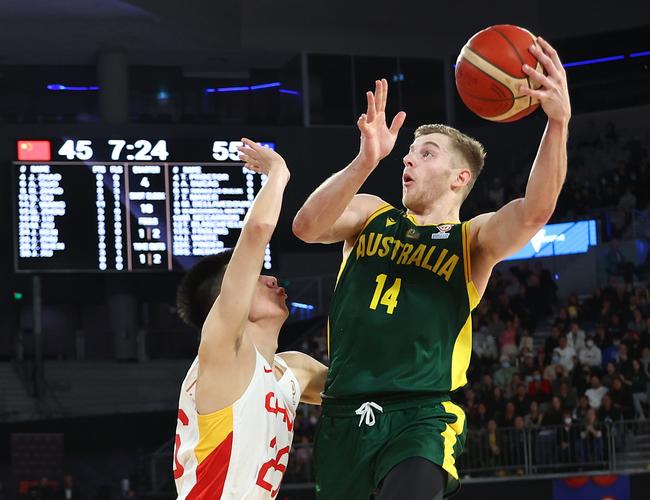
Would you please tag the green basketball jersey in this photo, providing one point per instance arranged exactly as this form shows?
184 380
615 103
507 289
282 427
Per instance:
400 318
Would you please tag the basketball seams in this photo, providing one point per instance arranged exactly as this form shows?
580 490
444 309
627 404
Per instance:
486 73
489 69
482 79
521 59
474 59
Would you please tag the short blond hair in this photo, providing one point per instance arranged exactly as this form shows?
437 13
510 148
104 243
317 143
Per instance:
470 150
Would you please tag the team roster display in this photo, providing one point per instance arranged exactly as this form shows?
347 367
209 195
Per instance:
128 205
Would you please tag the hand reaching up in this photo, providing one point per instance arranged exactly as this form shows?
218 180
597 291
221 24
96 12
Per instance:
377 139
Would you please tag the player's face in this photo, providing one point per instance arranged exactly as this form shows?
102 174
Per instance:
269 299
428 171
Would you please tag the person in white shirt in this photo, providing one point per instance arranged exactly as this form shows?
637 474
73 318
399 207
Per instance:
596 393
526 344
590 355
484 345
576 337
566 354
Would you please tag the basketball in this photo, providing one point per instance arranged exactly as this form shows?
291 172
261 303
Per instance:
489 74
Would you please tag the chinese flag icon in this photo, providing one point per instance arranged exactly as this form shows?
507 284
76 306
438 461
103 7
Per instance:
34 151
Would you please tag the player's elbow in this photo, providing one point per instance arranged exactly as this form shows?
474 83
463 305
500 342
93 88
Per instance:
537 217
258 230
303 230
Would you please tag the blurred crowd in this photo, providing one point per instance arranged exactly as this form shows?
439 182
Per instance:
609 172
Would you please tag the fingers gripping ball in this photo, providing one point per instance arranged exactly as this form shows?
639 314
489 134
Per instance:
489 73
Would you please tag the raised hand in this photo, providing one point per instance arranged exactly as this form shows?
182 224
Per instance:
261 159
553 93
377 139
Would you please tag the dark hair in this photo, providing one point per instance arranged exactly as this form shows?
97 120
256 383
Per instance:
200 287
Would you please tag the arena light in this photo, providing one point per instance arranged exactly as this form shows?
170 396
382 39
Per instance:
640 54
229 89
76 88
265 85
593 61
287 91
300 305
599 60
243 88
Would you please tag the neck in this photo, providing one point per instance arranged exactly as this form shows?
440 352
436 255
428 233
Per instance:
446 209
264 334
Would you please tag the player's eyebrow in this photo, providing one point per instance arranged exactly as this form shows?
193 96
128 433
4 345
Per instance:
432 143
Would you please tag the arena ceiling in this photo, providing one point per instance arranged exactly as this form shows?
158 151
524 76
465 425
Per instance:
235 35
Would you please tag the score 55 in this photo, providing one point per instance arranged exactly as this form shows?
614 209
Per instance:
224 150
229 150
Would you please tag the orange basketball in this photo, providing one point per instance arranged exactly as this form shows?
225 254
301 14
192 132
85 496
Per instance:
489 73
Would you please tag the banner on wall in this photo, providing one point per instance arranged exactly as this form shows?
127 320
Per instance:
566 238
609 487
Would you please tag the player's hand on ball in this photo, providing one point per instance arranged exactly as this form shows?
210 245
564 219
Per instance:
553 93
261 159
377 139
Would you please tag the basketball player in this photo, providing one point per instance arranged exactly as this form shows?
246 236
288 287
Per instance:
238 400
400 319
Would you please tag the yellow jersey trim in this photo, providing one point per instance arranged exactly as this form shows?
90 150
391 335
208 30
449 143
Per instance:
462 352
466 262
474 298
214 428
461 355
472 292
412 218
450 437
328 338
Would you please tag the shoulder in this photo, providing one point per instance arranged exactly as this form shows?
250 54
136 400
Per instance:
475 226
368 206
368 201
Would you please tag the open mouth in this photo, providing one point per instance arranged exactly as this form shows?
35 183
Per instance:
407 180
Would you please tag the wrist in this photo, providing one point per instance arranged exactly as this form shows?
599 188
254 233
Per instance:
365 162
561 123
280 172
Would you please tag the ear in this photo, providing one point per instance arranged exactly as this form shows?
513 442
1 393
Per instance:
463 177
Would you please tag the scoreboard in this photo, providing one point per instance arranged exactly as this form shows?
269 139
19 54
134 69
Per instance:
119 205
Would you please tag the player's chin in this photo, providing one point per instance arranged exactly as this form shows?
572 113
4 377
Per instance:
407 200
284 310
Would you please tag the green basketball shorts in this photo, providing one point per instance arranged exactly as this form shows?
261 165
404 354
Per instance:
358 443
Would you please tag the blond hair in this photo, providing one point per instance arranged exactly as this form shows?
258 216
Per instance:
470 150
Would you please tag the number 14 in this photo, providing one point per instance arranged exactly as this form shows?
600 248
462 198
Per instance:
389 298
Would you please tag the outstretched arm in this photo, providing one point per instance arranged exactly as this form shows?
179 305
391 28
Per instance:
495 236
335 212
225 323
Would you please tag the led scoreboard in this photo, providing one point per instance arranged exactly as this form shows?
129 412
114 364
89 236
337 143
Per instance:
120 205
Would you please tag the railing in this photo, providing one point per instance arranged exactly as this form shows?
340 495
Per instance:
522 452
622 446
